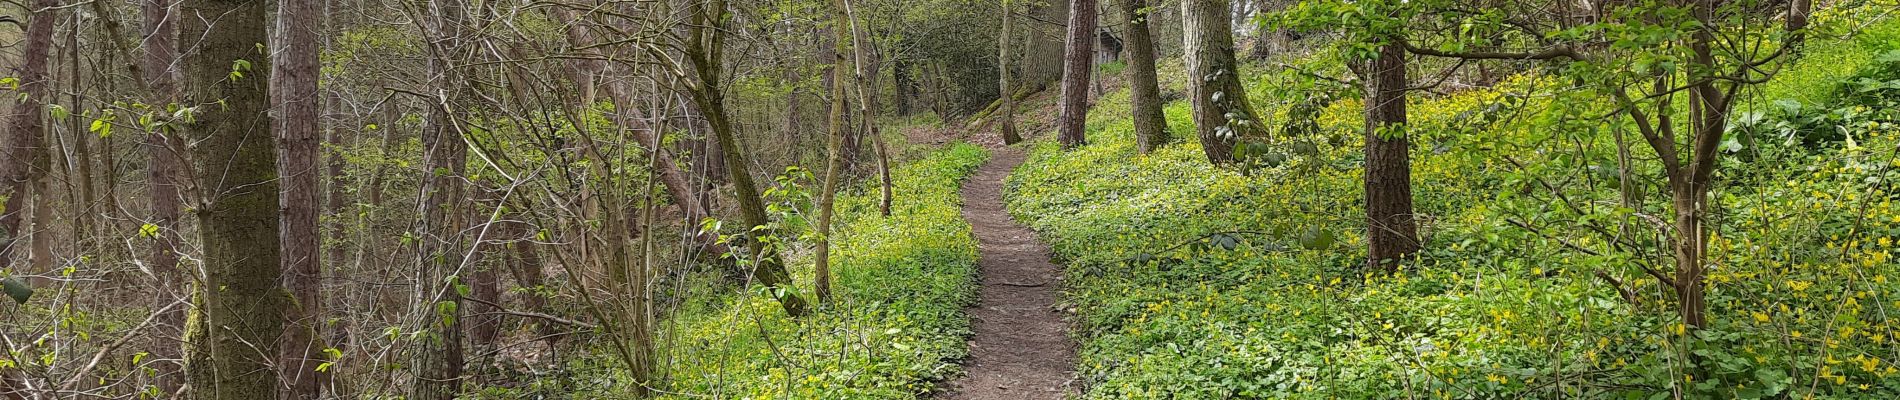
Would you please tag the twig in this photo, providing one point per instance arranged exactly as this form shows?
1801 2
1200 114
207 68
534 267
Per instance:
499 310
80 374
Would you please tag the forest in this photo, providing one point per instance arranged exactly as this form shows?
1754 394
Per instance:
949 199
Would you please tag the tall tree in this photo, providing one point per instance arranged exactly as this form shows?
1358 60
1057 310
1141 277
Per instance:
163 167
27 159
294 90
1391 232
1078 63
437 350
1008 113
866 74
705 45
1222 116
1144 89
239 304
834 164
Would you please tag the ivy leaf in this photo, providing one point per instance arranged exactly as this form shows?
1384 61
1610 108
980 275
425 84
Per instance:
148 231
16 289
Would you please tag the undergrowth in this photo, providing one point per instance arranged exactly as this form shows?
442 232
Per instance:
895 327
1197 282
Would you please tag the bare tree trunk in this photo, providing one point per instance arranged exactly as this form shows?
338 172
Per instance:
1144 90
162 172
81 174
867 106
1391 232
1222 116
240 305
437 353
704 44
1078 64
834 164
27 159
295 93
1008 115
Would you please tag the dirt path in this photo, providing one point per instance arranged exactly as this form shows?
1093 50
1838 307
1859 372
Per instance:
1021 349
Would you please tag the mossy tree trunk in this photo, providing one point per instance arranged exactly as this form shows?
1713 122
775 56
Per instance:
834 166
238 310
705 43
1008 114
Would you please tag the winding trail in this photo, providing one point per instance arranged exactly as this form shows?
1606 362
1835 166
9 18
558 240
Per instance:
1021 349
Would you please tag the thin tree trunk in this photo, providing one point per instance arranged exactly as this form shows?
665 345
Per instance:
295 93
88 204
1222 116
1144 90
1008 115
867 107
1078 64
241 301
1391 232
704 44
437 353
834 163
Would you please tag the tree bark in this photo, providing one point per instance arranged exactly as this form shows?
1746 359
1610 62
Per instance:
295 93
241 301
1078 64
1008 114
1391 232
1144 89
1222 116
27 159
162 172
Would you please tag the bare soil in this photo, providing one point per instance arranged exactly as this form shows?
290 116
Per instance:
1021 348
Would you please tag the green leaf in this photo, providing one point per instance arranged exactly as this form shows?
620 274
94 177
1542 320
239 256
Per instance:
16 289
148 231
1316 238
